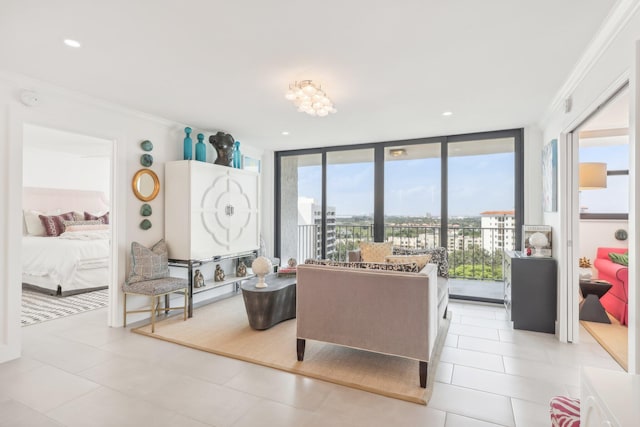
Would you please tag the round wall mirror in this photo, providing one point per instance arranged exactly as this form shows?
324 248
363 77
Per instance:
146 185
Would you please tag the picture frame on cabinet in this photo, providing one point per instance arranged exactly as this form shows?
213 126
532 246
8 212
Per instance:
250 164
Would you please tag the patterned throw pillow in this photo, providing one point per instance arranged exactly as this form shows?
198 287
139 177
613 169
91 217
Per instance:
622 259
84 225
565 411
148 264
375 251
103 218
53 224
409 267
438 256
34 224
421 260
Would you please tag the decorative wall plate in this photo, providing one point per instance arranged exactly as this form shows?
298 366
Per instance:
621 234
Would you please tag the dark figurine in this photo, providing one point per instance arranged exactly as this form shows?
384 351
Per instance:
223 143
198 279
241 271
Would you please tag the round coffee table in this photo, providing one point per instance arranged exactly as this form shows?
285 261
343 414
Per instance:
271 305
591 308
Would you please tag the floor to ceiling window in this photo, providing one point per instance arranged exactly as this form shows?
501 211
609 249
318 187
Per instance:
461 192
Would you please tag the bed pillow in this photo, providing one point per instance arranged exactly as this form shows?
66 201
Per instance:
70 226
375 251
54 224
104 218
149 263
32 221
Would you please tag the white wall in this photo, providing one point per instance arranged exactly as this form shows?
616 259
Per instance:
596 234
73 112
53 169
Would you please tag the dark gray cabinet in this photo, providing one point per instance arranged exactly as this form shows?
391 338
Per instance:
530 294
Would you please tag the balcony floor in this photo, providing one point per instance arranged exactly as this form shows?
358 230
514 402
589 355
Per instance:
481 289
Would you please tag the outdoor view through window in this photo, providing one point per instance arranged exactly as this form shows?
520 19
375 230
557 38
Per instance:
480 203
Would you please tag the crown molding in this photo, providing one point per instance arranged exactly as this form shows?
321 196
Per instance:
615 21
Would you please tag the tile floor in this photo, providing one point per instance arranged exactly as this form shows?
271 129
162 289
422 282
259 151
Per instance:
77 372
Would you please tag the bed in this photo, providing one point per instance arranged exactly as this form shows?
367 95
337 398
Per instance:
78 259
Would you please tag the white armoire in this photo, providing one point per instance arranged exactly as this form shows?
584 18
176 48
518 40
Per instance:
210 210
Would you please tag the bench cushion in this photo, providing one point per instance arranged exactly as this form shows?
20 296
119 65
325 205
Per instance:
155 286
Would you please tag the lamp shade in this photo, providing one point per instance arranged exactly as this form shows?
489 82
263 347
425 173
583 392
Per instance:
592 176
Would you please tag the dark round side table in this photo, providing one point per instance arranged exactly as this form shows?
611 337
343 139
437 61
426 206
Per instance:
590 308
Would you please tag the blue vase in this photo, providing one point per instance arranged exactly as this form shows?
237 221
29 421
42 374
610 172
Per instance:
201 149
237 158
188 149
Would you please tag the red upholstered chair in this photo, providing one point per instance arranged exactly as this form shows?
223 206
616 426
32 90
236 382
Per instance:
617 299
565 411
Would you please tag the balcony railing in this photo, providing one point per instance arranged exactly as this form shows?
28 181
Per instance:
473 252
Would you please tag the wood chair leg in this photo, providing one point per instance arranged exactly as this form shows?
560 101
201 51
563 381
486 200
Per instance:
300 346
154 307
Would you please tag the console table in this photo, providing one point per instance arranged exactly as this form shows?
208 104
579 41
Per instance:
271 305
530 291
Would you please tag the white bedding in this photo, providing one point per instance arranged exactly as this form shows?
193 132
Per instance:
70 262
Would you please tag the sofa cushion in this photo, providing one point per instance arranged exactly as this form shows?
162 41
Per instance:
375 251
421 260
622 259
410 267
438 256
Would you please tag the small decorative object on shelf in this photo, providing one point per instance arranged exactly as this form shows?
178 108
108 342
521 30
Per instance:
287 271
585 272
621 234
146 160
218 275
241 271
528 251
223 144
145 210
188 148
541 243
291 262
146 145
261 266
198 279
201 149
145 224
237 157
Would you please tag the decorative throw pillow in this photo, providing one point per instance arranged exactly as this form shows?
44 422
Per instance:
565 411
409 267
104 218
149 263
70 226
53 224
375 251
622 259
438 256
33 224
421 260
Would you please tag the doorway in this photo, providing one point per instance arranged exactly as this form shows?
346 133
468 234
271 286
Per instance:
67 254
601 147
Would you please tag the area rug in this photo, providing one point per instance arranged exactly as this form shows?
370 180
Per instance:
38 307
612 337
222 328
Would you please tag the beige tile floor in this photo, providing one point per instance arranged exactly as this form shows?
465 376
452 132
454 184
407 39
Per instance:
77 372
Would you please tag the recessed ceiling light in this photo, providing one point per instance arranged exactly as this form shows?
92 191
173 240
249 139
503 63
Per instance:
397 152
447 113
285 133
72 43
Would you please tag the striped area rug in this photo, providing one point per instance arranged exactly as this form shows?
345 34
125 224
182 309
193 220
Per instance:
38 307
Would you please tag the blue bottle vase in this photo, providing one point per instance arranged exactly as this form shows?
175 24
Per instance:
188 148
201 149
237 157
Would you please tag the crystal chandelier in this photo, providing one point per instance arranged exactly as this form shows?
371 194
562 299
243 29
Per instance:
310 98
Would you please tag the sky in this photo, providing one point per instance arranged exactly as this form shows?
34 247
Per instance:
476 184
412 187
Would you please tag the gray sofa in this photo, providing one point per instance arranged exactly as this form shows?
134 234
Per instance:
389 312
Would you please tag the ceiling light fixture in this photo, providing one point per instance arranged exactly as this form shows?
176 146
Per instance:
447 113
72 43
285 133
310 98
397 152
